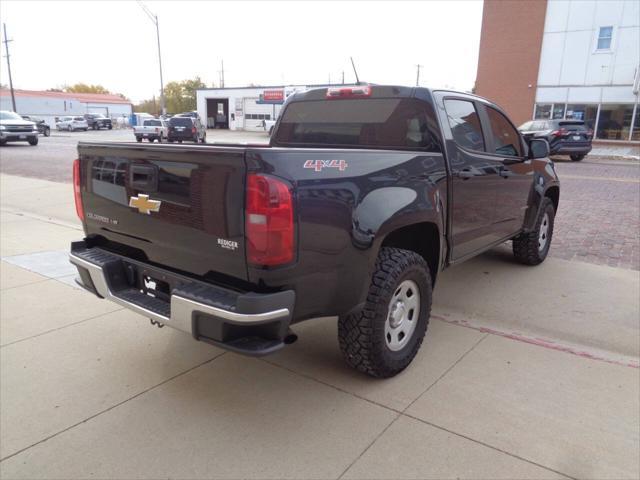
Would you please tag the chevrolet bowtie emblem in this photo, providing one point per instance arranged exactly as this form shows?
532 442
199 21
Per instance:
144 204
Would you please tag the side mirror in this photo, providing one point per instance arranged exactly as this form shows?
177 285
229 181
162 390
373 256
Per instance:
538 148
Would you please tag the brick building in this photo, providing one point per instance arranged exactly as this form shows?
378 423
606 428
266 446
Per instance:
564 59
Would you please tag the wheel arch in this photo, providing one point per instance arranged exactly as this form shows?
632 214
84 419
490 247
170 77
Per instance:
422 238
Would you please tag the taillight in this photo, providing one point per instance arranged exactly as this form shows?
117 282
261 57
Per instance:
269 221
193 129
77 195
349 92
559 133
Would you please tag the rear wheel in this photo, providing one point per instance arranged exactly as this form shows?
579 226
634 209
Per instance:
532 248
577 158
138 139
382 339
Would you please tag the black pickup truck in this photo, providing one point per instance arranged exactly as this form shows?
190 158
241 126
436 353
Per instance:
362 197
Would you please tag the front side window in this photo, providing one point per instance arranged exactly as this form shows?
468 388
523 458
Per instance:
506 139
605 34
465 124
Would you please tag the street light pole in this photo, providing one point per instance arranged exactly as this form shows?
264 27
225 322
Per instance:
154 19
162 104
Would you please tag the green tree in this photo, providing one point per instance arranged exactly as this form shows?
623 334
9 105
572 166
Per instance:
85 88
148 106
181 96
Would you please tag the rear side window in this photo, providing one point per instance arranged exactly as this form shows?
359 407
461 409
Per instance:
152 123
465 124
180 121
397 123
506 139
574 126
79 119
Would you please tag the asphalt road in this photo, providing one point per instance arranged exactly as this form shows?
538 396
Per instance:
598 220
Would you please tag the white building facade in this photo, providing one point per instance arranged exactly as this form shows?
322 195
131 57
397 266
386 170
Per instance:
49 105
590 66
244 108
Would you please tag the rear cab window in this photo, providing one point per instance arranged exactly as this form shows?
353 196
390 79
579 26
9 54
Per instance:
181 122
387 123
152 123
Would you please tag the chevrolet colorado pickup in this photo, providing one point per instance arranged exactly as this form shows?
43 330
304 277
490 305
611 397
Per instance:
362 197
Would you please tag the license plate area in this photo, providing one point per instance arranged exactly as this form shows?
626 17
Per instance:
150 282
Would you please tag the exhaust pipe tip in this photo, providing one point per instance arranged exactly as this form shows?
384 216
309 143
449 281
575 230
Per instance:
290 338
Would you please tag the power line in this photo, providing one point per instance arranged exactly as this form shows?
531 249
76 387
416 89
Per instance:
6 46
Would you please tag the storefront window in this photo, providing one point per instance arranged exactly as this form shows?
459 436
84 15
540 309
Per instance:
543 111
586 113
635 136
558 110
614 122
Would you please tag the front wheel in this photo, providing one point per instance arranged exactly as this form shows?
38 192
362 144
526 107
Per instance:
532 248
47 132
382 339
577 158
138 139
33 141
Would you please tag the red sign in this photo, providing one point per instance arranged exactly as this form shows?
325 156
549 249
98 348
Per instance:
273 95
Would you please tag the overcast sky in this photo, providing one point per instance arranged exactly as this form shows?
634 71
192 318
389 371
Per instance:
264 43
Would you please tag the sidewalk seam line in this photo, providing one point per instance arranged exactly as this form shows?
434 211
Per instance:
112 407
405 409
62 327
408 415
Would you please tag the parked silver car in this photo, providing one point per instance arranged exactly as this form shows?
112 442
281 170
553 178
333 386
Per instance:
13 128
72 124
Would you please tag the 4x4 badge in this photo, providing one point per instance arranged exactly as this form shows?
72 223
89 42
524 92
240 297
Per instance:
144 204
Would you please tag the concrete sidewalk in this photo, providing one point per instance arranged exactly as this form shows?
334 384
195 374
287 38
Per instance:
502 387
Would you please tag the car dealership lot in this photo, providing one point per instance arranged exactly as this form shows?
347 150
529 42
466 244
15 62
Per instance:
503 388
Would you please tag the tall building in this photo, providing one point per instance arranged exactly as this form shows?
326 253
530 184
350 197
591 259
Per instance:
564 59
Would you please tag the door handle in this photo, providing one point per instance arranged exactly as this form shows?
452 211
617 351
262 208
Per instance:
465 174
505 172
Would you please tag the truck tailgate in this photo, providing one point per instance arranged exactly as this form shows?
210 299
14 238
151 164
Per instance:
174 206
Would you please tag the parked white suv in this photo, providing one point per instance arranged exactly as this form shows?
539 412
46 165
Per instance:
72 124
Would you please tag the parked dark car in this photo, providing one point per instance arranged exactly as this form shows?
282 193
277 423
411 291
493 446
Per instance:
363 196
43 128
188 129
96 121
565 137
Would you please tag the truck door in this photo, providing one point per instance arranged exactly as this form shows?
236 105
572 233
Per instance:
474 177
515 171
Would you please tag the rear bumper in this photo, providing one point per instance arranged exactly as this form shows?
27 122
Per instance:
571 149
249 323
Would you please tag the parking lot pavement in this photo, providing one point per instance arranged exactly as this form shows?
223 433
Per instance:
91 390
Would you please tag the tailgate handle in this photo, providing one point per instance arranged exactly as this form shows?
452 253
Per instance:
144 177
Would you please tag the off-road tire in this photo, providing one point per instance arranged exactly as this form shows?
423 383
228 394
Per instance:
361 334
525 245
577 158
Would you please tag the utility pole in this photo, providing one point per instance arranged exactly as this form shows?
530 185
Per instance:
6 46
342 77
221 73
418 67
154 19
